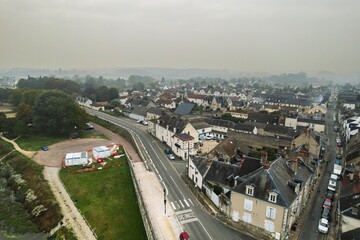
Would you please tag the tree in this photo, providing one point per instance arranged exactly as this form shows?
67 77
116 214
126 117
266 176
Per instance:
24 113
113 94
2 121
20 128
102 94
56 112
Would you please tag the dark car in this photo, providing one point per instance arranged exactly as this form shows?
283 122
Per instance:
167 151
330 194
326 214
339 156
44 148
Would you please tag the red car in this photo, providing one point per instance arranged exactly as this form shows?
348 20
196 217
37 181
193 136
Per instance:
184 236
339 144
327 203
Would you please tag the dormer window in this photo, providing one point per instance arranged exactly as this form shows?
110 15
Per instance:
250 190
273 197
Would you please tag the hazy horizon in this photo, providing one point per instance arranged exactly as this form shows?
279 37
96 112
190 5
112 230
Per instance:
245 36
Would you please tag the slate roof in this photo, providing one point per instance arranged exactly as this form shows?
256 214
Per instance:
222 173
184 109
311 121
244 127
173 122
200 125
277 129
222 123
157 111
227 148
139 110
263 118
201 164
276 178
351 235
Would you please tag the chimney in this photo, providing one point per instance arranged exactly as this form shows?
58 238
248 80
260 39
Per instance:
294 164
355 210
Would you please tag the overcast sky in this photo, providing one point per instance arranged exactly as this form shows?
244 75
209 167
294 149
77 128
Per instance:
252 35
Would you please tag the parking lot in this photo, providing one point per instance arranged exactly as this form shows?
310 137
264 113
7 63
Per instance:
56 153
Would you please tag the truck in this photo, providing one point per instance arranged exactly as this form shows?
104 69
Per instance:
337 169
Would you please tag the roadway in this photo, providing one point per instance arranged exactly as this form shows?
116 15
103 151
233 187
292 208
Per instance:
189 212
310 227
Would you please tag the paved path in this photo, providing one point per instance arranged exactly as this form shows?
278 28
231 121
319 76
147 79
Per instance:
29 154
72 217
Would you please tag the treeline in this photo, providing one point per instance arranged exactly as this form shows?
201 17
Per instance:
49 83
51 111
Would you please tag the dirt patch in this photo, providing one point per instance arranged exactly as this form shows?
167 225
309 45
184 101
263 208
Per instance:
56 153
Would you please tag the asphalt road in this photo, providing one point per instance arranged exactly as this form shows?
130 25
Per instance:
310 228
195 220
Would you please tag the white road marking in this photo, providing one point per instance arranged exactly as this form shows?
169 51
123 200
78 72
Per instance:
181 203
186 203
177 187
191 202
205 230
189 220
173 205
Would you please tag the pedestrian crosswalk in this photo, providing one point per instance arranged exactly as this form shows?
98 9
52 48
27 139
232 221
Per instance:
181 204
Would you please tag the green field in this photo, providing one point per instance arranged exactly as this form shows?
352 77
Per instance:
108 201
35 141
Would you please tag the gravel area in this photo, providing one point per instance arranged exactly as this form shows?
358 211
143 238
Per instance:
56 153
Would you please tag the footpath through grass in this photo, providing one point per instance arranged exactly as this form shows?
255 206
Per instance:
107 199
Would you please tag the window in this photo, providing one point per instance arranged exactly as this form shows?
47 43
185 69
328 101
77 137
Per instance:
271 212
273 197
248 205
250 190
247 217
269 226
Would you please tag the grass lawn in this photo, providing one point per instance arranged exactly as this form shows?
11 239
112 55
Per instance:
108 201
35 141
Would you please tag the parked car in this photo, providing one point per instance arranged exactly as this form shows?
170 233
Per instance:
323 226
332 185
330 194
326 214
184 236
338 140
167 151
171 156
89 126
140 121
339 144
339 156
145 123
334 177
209 137
327 203
44 148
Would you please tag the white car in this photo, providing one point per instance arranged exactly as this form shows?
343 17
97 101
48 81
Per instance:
338 140
171 156
332 185
209 137
323 225
334 177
